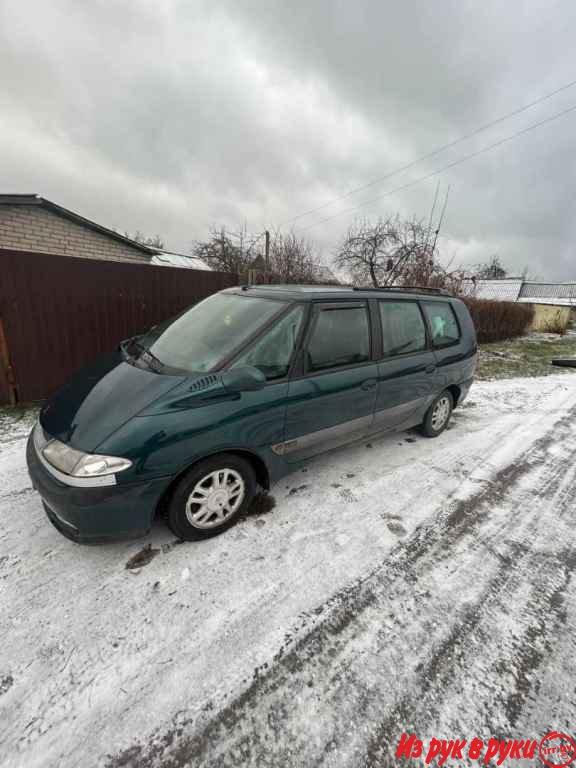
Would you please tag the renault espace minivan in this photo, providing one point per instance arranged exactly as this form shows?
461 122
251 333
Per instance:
188 419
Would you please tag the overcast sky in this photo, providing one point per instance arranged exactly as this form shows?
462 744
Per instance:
169 116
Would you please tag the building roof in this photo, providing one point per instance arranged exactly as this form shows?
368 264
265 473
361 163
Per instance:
516 289
561 294
37 200
179 260
507 289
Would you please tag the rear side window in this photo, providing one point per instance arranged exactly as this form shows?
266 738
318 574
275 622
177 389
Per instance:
340 337
443 324
402 327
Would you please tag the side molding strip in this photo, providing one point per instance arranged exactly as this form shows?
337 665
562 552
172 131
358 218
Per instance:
338 432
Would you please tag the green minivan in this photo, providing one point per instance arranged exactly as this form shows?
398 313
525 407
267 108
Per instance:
189 419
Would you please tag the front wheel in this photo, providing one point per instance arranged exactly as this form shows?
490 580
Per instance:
438 415
211 497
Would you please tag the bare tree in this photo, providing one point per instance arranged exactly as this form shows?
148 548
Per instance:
294 259
395 251
225 251
378 253
491 270
139 237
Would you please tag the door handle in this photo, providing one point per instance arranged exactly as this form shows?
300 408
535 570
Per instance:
430 368
368 384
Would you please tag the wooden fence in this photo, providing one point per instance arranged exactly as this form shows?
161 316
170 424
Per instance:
58 312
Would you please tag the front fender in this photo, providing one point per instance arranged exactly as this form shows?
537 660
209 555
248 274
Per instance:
166 444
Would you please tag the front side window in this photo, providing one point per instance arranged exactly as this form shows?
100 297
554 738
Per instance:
272 352
209 332
340 337
443 323
402 327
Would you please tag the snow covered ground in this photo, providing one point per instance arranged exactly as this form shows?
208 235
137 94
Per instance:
401 585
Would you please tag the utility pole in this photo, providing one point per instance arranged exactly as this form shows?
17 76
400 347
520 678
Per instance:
267 251
428 233
441 219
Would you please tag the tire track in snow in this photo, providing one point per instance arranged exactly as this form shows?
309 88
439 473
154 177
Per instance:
365 658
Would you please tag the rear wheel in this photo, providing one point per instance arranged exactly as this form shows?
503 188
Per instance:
438 415
211 497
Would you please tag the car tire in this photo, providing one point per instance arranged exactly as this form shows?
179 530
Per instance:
438 415
211 497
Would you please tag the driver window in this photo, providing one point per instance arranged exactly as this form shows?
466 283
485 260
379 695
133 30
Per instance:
272 352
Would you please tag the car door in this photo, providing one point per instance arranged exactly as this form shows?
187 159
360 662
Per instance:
261 422
454 351
332 396
406 371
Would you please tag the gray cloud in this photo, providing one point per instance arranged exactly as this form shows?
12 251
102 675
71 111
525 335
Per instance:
167 116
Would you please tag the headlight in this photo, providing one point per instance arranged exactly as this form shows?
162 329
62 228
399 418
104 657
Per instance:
40 439
80 464
92 465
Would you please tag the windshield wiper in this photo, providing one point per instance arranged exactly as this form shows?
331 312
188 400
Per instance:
145 355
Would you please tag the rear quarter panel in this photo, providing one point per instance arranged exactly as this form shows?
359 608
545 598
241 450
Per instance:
456 364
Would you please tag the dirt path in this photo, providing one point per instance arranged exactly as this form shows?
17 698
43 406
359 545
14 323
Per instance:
435 596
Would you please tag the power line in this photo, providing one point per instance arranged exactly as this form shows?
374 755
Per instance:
461 160
434 152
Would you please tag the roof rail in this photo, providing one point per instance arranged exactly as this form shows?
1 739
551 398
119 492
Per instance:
408 289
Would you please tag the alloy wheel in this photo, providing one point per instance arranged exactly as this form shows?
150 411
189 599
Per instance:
440 413
215 498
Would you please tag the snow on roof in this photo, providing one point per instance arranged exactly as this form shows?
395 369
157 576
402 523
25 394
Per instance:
527 292
561 294
507 289
181 260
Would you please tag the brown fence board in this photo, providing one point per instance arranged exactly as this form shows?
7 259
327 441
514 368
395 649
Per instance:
60 312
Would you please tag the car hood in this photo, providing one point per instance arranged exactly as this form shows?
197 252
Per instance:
99 399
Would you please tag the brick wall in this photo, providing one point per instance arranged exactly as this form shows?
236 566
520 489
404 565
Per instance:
32 228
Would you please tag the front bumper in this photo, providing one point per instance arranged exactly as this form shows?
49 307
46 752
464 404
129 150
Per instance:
95 514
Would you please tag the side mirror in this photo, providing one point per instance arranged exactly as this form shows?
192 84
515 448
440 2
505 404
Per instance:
245 378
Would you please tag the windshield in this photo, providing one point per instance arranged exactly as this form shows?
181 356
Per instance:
206 334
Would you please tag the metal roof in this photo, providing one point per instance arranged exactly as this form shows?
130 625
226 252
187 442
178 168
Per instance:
507 289
527 292
561 294
32 199
179 260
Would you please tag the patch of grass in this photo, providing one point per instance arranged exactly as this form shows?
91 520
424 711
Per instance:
525 356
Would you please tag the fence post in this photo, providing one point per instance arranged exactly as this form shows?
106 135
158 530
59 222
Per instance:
6 366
